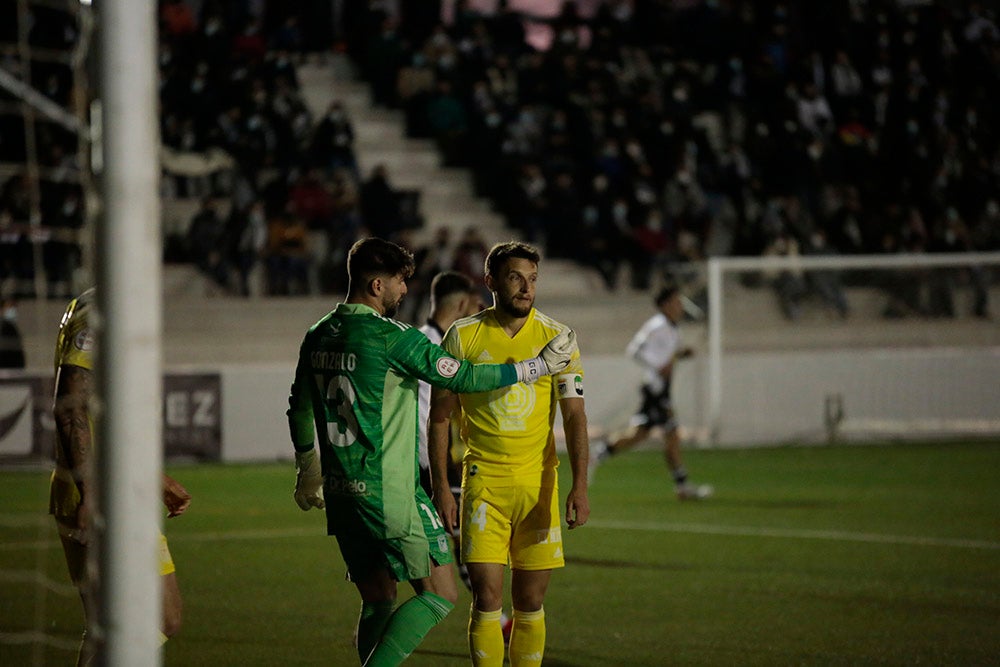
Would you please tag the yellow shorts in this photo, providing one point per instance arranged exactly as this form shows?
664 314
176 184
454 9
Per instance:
519 525
76 555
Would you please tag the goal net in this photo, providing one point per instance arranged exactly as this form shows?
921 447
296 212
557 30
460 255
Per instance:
829 348
47 191
46 97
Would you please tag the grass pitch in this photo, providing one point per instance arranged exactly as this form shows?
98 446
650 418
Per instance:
822 555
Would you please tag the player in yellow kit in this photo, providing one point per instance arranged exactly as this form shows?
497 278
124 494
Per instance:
71 492
510 510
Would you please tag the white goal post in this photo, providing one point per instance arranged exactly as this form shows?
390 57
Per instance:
726 380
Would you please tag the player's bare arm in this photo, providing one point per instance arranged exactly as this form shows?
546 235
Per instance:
74 387
443 404
578 447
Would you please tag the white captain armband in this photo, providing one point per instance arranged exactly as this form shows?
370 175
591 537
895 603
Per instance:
569 385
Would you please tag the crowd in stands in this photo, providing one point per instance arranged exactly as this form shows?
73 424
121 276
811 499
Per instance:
644 134
653 133
296 200
229 81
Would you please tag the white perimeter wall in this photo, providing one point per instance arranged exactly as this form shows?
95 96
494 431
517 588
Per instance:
768 398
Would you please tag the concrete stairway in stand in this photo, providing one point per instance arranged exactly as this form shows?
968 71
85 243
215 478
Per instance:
447 195
447 198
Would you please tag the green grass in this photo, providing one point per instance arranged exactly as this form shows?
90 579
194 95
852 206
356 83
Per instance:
828 555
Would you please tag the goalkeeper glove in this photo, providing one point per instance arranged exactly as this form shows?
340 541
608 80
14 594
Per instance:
553 358
308 481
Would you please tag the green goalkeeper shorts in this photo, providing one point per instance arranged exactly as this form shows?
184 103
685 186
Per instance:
408 557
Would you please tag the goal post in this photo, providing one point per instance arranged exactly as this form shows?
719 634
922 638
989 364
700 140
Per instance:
130 345
863 375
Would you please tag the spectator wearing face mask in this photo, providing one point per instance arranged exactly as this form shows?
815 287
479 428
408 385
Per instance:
333 141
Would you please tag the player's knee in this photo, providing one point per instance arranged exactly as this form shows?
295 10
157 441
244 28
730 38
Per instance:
172 619
528 602
451 595
442 583
486 599
447 590
171 623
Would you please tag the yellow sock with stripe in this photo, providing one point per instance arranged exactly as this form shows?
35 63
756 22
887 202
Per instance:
485 638
527 638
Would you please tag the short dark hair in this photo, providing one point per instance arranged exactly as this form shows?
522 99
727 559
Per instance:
665 294
501 252
372 257
447 283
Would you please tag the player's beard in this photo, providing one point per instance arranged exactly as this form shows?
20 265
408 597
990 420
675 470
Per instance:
390 306
507 304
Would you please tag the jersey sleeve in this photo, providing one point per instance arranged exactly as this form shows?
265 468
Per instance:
575 362
452 342
78 349
411 352
300 409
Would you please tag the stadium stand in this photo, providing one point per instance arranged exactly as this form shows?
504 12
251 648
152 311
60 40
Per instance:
652 134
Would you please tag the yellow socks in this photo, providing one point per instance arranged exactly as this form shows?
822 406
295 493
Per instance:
485 638
527 638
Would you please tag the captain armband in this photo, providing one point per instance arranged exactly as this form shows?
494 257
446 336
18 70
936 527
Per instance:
569 385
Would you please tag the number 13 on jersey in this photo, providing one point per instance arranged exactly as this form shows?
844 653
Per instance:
341 422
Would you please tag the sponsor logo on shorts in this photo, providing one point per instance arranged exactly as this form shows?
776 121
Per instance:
473 470
442 543
447 367
549 536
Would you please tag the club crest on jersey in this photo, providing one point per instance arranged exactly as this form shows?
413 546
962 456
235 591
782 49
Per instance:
447 367
84 340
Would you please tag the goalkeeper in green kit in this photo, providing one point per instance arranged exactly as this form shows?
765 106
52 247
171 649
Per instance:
355 392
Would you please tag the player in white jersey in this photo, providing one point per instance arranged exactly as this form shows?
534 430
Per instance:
453 296
656 347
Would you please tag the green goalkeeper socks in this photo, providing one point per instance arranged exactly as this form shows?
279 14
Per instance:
371 625
407 627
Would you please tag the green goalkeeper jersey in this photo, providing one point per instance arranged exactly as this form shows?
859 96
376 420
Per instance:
355 391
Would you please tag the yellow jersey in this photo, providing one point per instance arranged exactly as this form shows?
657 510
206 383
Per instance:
508 432
75 342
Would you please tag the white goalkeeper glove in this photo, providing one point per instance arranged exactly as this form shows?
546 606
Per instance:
308 481
553 358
